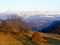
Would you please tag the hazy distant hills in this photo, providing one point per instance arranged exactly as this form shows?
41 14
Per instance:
35 22
38 22
54 27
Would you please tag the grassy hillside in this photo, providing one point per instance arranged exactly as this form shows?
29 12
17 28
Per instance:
29 38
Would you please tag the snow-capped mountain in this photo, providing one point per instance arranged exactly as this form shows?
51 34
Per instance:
38 21
33 20
40 15
5 15
32 15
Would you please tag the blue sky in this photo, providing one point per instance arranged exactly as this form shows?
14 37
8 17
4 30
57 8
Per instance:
30 5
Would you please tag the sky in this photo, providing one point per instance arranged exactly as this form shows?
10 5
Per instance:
30 5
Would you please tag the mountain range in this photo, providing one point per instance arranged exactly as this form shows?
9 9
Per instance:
37 22
43 30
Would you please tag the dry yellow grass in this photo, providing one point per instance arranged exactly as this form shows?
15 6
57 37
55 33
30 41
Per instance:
8 40
39 37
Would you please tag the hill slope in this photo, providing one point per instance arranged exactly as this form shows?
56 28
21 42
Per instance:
52 28
29 38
